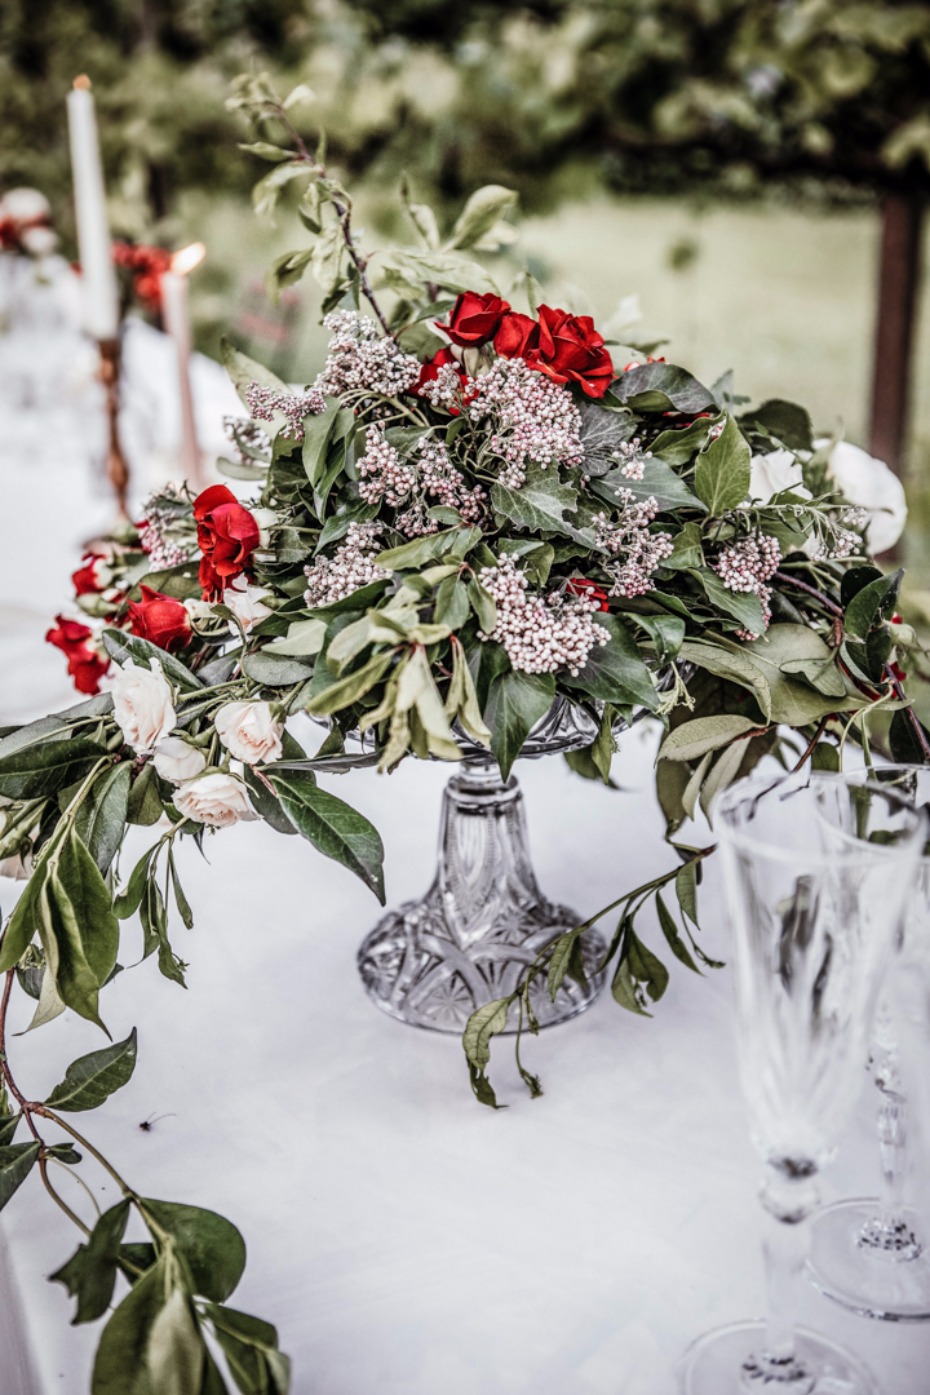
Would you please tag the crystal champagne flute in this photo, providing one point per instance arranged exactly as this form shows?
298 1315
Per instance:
871 1254
817 871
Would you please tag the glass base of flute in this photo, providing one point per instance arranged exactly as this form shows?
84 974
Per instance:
873 1264
724 1362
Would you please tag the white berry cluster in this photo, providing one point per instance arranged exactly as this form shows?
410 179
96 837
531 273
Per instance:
843 534
427 476
532 419
165 530
263 402
361 359
747 567
636 552
248 438
634 458
540 634
352 565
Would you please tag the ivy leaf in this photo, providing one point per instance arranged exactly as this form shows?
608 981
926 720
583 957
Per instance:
43 769
679 447
333 827
90 1273
785 421
16 1162
516 702
659 482
93 1078
615 671
721 479
539 505
661 387
211 1246
101 818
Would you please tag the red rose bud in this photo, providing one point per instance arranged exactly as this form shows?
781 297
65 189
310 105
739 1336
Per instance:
517 335
474 319
571 350
160 619
227 535
87 577
85 666
581 586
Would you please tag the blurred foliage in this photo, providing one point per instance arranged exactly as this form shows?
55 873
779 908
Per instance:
553 98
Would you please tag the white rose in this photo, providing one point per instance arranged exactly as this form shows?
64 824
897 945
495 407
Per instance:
39 242
771 473
176 760
869 484
217 800
246 602
142 705
249 731
24 205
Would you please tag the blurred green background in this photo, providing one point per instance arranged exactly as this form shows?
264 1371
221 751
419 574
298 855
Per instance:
730 163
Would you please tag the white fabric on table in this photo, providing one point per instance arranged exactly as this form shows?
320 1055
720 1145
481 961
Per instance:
404 1240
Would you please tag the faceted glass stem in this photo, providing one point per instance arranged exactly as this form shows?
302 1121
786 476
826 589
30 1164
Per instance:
789 1199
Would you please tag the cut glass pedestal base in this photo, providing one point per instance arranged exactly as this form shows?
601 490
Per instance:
877 1271
432 962
722 1363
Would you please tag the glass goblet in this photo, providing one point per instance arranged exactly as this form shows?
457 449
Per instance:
817 870
872 1254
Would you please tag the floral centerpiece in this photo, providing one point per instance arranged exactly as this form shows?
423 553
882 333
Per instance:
475 509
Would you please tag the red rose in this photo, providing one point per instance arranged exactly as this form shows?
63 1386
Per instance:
517 335
160 619
86 579
227 535
581 586
474 319
430 370
570 350
85 666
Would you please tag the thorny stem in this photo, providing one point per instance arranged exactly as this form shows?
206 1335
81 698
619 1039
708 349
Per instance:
343 213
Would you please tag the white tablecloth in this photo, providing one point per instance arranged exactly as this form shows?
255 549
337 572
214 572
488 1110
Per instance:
404 1240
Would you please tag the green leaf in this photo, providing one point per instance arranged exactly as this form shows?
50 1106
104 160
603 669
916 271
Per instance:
452 607
266 803
101 818
790 646
16 1162
721 479
211 1246
22 924
670 930
144 806
640 977
304 639
679 447
37 771
694 739
350 688
483 209
486 1022
251 1350
539 505
334 828
616 671
661 387
273 672
667 633
90 1273
128 902
785 421
562 953
516 702
120 1365
409 270
8 1127
92 1079
318 432
903 738
95 921
413 555
732 663
483 604
659 482
175 1352
121 646
872 605
746 609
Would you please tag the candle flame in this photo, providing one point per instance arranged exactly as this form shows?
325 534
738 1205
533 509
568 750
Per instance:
82 83
187 258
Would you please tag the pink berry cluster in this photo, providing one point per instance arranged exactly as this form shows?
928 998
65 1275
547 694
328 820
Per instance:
426 476
746 567
165 531
263 402
540 634
636 553
352 565
531 417
447 390
362 360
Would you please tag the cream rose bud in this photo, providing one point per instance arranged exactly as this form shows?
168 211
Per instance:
247 603
177 760
143 705
266 520
869 484
217 800
249 731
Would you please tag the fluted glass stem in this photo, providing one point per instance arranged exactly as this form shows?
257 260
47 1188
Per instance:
789 1201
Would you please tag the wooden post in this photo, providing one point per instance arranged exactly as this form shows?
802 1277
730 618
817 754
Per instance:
898 282
117 467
